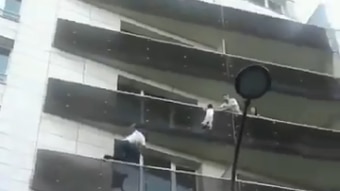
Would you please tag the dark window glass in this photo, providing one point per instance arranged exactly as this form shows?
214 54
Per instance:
134 86
156 179
185 182
12 9
275 7
125 85
3 63
216 184
259 2
156 161
125 177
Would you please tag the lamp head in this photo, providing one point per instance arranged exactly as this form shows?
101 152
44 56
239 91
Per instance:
253 82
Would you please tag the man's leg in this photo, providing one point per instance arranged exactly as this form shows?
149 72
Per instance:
120 152
133 153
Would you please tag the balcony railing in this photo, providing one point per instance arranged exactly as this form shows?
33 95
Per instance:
65 172
92 43
155 178
89 104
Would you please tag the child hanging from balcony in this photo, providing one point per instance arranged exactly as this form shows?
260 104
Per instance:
209 117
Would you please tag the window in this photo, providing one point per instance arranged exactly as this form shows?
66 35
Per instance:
276 7
134 86
261 3
4 54
12 9
142 31
156 179
185 182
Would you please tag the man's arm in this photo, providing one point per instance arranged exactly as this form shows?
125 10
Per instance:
225 106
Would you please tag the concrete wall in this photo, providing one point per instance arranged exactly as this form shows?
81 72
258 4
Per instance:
23 126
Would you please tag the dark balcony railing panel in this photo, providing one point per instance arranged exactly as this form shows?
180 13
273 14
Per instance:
292 81
108 46
206 183
291 139
80 102
126 109
157 113
70 100
187 60
189 11
56 171
224 126
145 52
186 182
187 118
155 179
242 186
125 177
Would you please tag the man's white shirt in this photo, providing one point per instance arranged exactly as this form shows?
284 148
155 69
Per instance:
232 105
136 138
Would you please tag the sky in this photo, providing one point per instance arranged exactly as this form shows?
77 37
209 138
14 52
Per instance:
305 8
333 12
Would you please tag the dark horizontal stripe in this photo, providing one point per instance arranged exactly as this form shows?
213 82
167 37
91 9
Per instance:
76 101
106 46
56 171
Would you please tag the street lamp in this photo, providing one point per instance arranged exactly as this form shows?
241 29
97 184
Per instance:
252 82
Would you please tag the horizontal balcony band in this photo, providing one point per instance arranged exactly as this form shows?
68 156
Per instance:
98 106
55 171
225 19
109 46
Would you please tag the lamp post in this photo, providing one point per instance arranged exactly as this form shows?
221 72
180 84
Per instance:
252 82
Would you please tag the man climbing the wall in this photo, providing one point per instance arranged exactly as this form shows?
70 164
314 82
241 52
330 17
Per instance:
128 149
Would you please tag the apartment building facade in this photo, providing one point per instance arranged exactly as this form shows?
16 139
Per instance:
76 74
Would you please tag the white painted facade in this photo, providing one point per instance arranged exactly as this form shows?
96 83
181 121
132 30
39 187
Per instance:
23 126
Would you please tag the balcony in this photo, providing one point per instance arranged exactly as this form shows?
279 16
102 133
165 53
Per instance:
313 96
269 146
56 171
240 32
